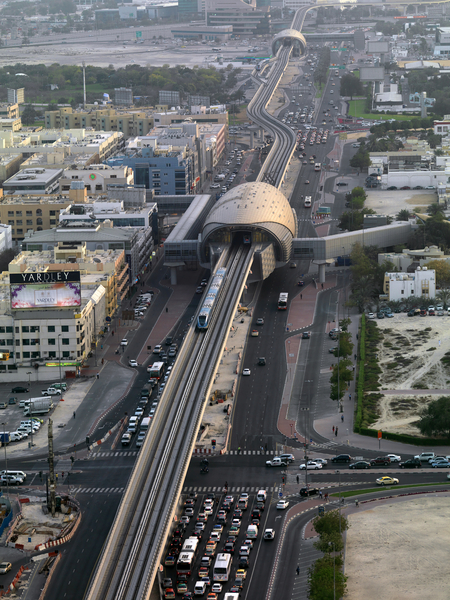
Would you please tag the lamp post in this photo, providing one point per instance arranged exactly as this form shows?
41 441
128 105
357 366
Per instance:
339 473
59 359
6 461
31 410
29 379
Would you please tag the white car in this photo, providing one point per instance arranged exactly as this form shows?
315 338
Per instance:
322 461
246 372
133 363
395 458
157 349
269 534
371 316
216 588
124 342
311 464
282 504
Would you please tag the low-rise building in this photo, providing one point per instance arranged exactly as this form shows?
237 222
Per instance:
96 178
33 181
98 236
5 237
409 260
400 286
130 122
54 308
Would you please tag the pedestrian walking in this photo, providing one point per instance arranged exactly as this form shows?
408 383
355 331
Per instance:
320 494
349 396
298 570
326 496
301 296
262 449
333 428
98 375
298 479
342 418
336 431
74 414
167 310
355 356
239 449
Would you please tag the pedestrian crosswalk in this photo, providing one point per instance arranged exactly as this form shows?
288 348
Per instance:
249 490
93 490
251 452
113 453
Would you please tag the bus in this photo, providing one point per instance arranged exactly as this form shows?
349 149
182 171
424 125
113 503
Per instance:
282 301
216 49
317 167
187 556
308 201
222 567
231 596
157 370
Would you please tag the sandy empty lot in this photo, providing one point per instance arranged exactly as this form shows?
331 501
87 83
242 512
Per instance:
410 356
391 202
399 550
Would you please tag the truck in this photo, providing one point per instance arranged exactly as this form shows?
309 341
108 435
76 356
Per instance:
40 406
5 438
276 462
51 391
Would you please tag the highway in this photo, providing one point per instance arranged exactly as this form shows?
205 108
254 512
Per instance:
134 548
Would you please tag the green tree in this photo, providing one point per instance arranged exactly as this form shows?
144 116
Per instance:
341 376
361 160
345 346
442 269
435 419
28 115
326 580
443 296
351 86
403 215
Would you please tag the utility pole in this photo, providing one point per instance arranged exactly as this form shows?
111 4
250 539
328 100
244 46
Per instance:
51 468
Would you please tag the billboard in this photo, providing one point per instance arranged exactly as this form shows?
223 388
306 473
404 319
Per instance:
55 289
371 73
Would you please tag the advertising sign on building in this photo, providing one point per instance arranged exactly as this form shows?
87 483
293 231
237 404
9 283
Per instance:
45 290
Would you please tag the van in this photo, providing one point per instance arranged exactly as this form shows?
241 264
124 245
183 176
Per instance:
252 532
199 588
261 496
19 474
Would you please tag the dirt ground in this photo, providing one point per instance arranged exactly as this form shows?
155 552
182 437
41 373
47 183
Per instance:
398 551
391 202
410 357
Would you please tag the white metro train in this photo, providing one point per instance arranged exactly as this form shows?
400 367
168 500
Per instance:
209 301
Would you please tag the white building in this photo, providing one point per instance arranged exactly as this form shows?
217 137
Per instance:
400 286
5 237
96 178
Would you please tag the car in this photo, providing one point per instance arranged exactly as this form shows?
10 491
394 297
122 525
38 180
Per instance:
386 481
255 333
170 560
308 491
282 504
212 596
5 567
360 464
199 290
10 480
269 534
425 456
322 461
430 187
259 321
307 181
405 187
392 187
126 439
412 463
19 389
185 519
418 187
380 460
167 583
306 335
241 574
310 465
342 183
261 361
333 349
12 401
169 593
380 315
124 342
341 458
371 315
395 458
133 363
157 349
246 372
216 588
440 464
234 530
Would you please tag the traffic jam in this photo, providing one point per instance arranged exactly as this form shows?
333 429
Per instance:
211 547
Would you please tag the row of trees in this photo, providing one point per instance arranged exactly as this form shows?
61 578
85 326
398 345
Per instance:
326 579
145 81
321 72
342 372
352 219
351 86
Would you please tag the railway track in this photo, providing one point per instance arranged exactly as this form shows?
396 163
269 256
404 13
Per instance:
133 551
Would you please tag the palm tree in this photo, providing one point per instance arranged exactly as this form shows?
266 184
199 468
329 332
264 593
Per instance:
403 215
443 296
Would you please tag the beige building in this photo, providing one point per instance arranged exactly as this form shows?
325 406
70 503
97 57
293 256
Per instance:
9 111
10 124
9 165
203 116
49 339
96 178
129 122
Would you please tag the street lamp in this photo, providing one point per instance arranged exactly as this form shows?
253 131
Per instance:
29 379
6 461
59 359
339 473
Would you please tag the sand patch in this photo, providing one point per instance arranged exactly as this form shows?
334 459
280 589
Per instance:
405 545
391 202
410 358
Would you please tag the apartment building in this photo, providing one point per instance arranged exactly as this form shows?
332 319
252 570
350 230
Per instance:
96 178
130 123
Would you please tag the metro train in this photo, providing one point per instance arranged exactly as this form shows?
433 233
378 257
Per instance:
211 296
